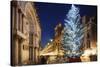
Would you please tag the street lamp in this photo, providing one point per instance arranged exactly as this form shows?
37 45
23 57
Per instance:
51 40
48 43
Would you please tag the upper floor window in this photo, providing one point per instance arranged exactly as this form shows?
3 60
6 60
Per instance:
20 21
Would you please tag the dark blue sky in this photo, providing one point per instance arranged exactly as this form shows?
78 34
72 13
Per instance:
50 14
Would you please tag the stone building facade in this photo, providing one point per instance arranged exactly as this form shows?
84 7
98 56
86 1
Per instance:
90 37
25 33
58 37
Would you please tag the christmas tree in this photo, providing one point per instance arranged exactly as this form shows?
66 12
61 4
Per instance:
73 33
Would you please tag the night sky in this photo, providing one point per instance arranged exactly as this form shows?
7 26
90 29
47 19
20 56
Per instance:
50 14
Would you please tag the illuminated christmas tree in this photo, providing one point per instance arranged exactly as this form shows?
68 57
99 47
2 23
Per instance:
73 33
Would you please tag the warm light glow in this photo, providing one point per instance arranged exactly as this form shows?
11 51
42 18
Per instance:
85 57
48 43
89 52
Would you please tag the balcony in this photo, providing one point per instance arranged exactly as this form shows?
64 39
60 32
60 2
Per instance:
19 34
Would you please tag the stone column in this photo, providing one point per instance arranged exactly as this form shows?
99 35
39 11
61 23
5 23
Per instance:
16 51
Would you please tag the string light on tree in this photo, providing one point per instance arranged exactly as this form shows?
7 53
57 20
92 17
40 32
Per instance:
73 33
